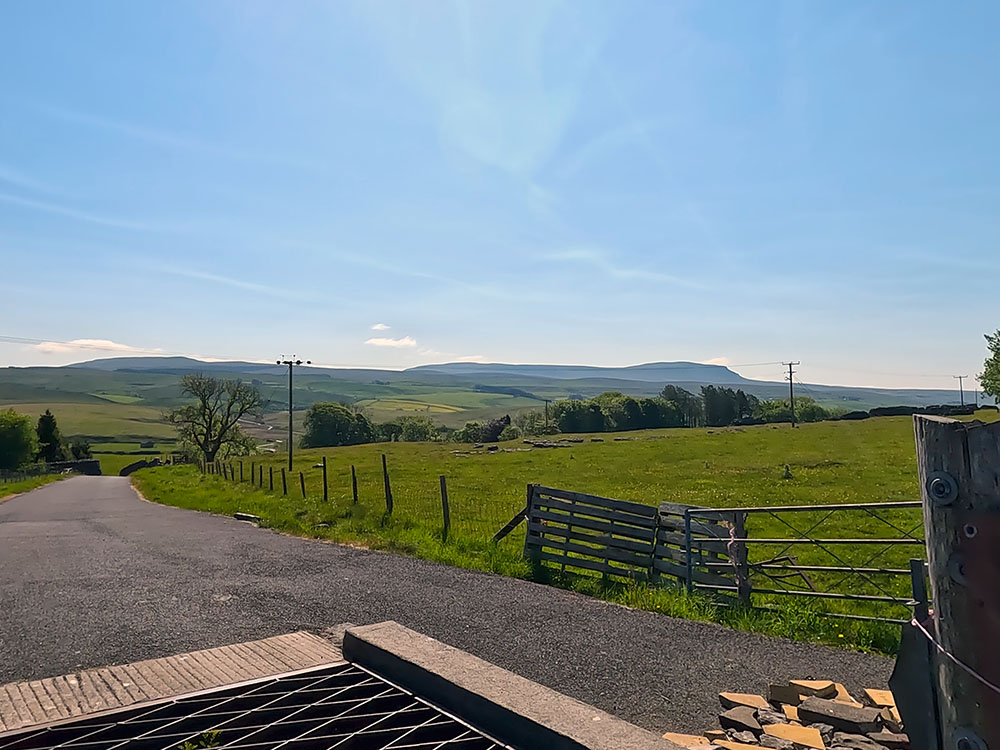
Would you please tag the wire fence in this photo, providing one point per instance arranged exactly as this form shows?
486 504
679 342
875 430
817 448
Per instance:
848 560
854 557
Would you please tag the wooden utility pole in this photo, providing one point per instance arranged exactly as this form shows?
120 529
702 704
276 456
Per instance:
291 362
959 469
791 387
961 390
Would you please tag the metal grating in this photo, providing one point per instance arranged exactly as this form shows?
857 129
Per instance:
343 707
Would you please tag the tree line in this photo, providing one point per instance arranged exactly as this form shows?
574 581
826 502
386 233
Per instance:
22 445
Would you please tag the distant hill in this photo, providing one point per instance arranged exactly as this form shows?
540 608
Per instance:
652 372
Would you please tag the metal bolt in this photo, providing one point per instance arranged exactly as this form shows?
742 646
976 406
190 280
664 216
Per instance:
969 740
956 568
942 488
970 530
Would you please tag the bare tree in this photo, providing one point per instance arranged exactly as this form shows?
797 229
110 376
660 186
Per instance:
213 421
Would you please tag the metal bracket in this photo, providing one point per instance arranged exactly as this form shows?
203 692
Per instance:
969 740
942 488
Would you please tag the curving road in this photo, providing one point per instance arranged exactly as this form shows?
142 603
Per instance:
91 575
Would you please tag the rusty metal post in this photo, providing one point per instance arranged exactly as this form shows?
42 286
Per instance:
959 469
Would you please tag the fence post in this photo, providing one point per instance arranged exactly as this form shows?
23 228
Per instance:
232 474
388 489
445 509
959 469
739 558
260 477
253 473
325 496
688 559
241 471
528 554
284 482
354 484
270 478
302 484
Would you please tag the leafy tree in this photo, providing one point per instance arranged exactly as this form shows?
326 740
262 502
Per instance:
212 422
80 448
329 423
471 433
18 440
510 432
690 405
416 429
533 423
989 379
50 442
387 432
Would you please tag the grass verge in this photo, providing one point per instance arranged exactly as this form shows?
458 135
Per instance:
341 521
9 489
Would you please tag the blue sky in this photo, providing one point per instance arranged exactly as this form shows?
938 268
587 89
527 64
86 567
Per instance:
602 183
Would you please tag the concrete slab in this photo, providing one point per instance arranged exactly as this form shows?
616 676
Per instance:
512 709
26 704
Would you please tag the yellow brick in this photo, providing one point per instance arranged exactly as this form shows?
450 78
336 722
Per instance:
801 736
819 688
731 700
879 698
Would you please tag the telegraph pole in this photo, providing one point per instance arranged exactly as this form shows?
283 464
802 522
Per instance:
291 362
961 392
791 387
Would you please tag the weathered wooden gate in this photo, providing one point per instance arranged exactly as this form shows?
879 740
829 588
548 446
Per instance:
622 539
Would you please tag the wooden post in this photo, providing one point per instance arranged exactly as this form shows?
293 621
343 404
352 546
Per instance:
738 557
325 496
302 484
232 474
270 478
354 484
284 482
444 508
241 471
959 469
253 473
388 489
224 474
528 554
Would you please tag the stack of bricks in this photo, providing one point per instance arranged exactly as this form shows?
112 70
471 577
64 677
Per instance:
803 715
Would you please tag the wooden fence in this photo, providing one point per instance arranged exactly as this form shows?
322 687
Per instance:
622 539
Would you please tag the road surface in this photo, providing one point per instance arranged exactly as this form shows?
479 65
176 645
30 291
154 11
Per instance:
90 575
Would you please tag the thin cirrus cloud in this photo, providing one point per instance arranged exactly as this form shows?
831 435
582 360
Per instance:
380 327
249 286
72 213
406 342
601 262
77 345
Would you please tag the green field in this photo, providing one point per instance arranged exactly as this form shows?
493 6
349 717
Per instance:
124 422
833 462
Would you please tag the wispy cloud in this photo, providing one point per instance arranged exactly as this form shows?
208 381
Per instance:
79 345
380 327
23 182
406 342
471 358
72 213
249 286
601 262
717 361
169 139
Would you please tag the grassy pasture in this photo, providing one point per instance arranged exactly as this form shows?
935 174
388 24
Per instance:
834 462
8 489
124 422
